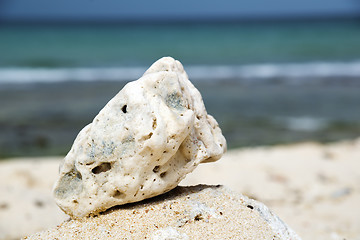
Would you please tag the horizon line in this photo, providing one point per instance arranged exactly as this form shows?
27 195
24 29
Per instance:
189 20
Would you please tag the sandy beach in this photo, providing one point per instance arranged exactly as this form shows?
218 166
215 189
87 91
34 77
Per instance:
314 188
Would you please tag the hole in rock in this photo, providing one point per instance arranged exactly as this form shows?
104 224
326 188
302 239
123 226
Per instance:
124 108
148 136
154 124
118 194
156 169
75 201
163 174
249 206
102 168
198 217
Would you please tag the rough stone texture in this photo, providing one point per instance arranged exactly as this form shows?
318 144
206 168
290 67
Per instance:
141 144
198 212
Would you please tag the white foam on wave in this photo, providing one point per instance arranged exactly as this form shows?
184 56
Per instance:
285 71
293 72
303 123
48 75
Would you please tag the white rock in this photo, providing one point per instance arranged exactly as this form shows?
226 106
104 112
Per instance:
141 144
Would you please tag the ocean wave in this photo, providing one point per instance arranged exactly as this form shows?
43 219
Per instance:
291 72
48 75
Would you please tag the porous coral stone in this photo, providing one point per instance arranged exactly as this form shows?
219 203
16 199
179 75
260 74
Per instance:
141 144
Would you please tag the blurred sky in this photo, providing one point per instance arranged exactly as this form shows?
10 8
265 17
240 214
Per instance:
174 10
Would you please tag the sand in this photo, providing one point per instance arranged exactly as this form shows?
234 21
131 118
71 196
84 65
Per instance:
314 188
197 212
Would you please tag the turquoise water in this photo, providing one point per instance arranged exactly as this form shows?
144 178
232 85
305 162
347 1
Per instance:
141 44
265 83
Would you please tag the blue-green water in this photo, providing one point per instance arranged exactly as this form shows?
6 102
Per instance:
265 83
141 44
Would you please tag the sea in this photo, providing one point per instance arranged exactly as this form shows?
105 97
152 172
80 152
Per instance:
267 82
209 51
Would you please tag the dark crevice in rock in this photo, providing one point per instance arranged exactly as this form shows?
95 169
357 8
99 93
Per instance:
118 194
124 109
249 206
156 169
104 167
163 174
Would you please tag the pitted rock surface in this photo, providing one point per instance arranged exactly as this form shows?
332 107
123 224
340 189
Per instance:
141 144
